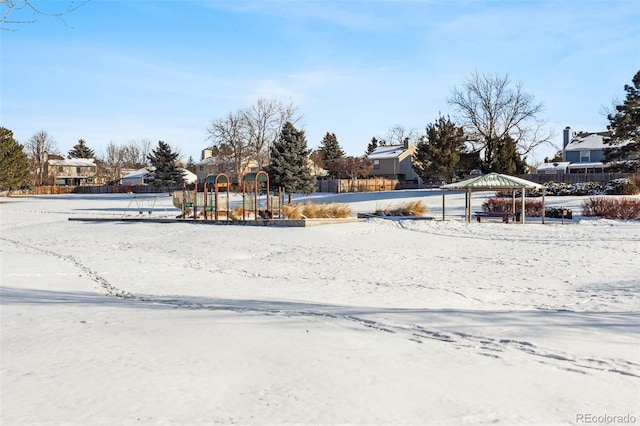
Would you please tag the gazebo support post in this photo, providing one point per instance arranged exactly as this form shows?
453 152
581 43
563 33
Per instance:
443 192
544 209
523 204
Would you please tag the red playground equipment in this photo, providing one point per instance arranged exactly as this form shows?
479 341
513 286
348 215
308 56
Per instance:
213 204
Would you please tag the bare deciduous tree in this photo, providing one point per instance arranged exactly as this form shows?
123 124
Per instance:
135 153
355 167
39 146
15 12
397 134
490 109
132 155
263 122
228 136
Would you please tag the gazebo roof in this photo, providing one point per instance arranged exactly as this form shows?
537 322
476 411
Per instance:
493 181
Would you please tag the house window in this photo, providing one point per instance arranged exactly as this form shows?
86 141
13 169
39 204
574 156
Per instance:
60 169
376 164
585 156
78 170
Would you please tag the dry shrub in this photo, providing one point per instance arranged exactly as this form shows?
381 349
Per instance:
408 208
533 208
612 208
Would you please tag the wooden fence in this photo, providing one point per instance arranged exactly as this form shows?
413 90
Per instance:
105 189
602 178
363 185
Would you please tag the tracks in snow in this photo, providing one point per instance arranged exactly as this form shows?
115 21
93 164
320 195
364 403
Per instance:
485 346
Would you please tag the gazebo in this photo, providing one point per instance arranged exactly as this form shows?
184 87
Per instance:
492 182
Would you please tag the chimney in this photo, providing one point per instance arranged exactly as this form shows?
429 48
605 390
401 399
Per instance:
566 137
206 153
406 143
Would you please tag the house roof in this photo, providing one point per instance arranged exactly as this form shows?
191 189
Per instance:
137 174
560 165
388 151
77 162
588 165
493 181
189 177
587 141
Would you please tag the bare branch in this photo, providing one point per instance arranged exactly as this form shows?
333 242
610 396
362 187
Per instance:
491 109
13 7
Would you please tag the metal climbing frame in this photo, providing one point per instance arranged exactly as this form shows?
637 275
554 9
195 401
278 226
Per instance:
257 181
212 186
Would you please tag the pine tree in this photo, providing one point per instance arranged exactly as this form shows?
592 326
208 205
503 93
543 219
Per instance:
373 145
14 163
164 160
81 150
624 125
289 166
506 158
439 154
331 153
191 165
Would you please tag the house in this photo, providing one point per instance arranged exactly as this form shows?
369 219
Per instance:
137 177
143 177
211 165
72 171
582 152
394 161
585 151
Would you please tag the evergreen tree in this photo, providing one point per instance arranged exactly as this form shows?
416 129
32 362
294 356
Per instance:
164 160
373 145
81 150
506 158
191 165
289 166
438 156
624 125
14 163
331 153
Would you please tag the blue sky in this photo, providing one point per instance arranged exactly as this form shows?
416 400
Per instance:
117 71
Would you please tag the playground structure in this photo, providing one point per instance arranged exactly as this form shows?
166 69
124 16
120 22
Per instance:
214 202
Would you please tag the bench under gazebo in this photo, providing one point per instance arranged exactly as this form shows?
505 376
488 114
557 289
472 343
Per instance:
493 182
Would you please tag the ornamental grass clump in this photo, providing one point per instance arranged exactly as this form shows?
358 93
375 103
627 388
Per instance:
311 210
408 208
612 208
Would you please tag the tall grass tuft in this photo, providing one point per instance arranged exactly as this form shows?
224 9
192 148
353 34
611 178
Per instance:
311 210
408 208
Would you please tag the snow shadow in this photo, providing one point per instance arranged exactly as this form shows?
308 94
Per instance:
625 322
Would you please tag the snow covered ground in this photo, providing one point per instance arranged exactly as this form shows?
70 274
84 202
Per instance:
424 322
